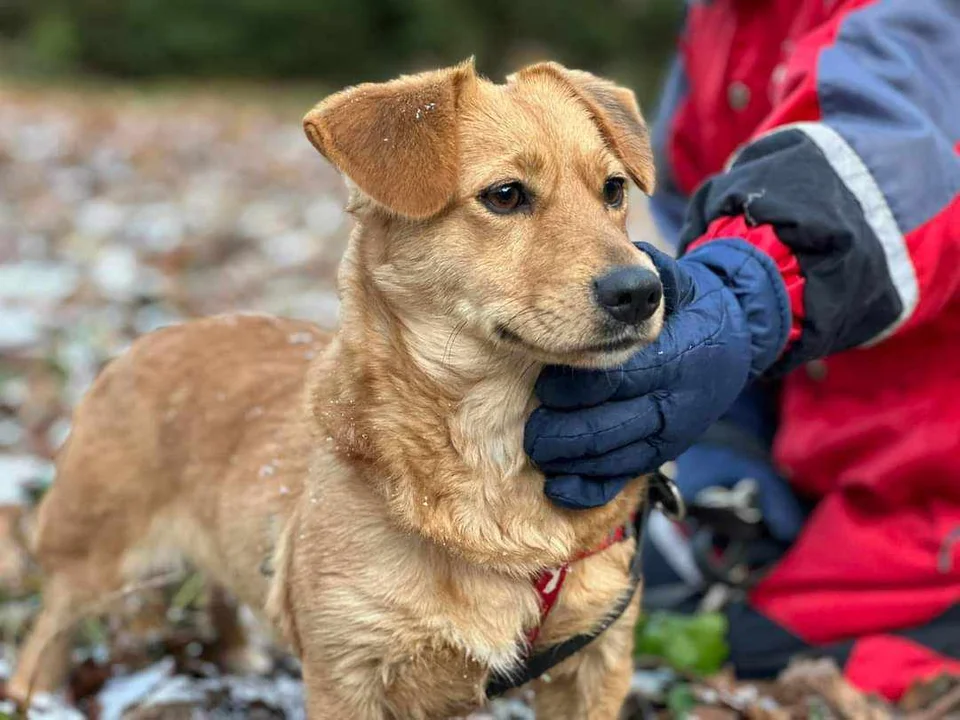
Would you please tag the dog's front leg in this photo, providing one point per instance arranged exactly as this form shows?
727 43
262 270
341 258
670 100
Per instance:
593 684
327 700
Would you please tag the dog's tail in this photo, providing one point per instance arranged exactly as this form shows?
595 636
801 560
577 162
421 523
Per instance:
278 607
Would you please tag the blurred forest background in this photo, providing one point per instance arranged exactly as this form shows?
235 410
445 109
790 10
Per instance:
334 42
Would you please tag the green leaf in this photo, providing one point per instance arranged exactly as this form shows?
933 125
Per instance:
680 701
682 652
93 632
189 592
817 709
692 643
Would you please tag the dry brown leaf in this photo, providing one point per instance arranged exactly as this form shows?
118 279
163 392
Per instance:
823 678
946 706
710 712
926 692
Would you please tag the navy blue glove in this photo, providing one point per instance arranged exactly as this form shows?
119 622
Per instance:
728 316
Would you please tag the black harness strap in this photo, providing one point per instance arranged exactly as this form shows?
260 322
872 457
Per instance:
661 493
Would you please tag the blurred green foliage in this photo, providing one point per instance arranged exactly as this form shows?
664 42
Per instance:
334 42
680 701
689 643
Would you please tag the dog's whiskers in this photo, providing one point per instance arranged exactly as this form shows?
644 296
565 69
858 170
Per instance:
448 346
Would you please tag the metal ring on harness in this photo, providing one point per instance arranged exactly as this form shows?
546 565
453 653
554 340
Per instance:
663 492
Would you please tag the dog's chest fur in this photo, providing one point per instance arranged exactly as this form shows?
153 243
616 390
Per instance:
432 563
369 578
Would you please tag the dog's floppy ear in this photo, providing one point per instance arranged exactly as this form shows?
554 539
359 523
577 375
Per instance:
614 109
397 141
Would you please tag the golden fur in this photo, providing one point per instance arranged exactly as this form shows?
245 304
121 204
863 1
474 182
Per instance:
378 475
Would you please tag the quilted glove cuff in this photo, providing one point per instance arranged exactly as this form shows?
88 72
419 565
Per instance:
754 279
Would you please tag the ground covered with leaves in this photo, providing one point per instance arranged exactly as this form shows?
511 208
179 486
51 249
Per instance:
122 211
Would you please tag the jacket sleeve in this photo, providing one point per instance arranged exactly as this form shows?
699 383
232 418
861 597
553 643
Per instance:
851 183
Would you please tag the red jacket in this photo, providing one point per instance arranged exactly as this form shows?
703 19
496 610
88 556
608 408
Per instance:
826 133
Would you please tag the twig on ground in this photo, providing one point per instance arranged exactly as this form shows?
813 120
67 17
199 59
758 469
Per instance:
939 709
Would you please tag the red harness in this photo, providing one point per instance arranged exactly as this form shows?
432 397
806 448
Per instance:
661 493
549 582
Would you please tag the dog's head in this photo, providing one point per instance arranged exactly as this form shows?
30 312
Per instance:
503 207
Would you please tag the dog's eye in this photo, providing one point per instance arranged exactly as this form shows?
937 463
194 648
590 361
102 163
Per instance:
505 198
613 192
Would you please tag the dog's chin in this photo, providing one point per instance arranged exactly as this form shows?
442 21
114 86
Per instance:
604 360
607 350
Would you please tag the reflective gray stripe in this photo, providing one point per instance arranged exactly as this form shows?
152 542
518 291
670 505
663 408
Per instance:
857 178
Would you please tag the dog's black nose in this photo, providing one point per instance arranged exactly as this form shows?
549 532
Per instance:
629 294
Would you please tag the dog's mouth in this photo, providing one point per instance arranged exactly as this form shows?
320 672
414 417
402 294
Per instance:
617 343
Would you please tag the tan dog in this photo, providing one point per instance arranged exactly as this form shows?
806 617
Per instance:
383 482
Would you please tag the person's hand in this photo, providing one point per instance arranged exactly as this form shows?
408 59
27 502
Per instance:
727 319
